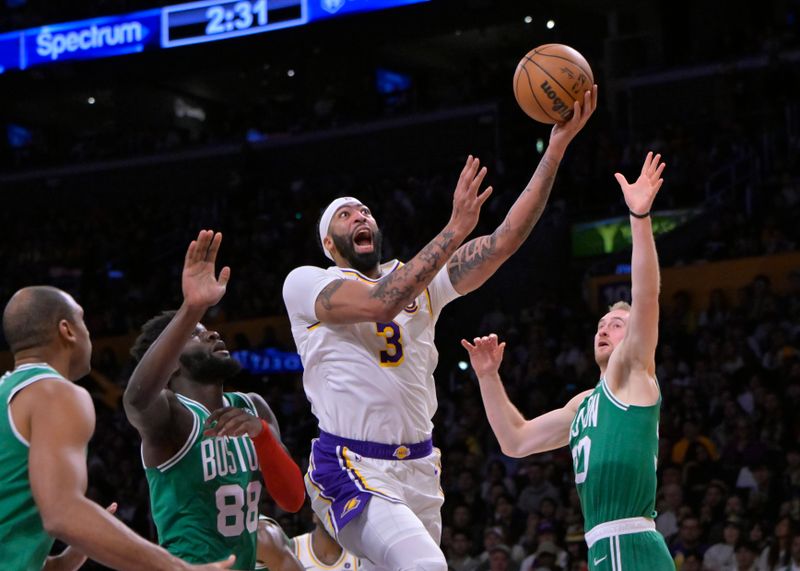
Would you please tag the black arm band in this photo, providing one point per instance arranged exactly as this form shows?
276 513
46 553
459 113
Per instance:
645 215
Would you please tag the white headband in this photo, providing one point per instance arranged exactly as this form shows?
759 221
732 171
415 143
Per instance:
327 216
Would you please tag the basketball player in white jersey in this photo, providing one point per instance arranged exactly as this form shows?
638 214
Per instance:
318 551
365 333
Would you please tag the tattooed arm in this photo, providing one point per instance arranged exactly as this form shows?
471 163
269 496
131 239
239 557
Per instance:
477 260
351 301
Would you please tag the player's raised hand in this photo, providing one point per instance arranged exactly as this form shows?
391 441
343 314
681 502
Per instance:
232 421
563 133
201 287
485 355
467 201
639 196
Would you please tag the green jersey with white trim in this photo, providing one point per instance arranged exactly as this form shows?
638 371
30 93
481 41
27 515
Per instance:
615 453
24 544
205 498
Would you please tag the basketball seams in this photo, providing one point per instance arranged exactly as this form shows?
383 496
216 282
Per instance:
533 93
566 91
557 104
588 73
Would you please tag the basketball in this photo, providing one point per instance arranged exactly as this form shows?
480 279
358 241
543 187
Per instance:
549 79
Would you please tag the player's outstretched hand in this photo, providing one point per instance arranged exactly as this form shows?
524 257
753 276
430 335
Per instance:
639 196
485 355
201 288
226 564
563 133
466 200
232 421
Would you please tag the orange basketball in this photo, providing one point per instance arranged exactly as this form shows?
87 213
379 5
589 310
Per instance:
548 81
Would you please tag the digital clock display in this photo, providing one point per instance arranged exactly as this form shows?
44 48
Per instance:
212 20
169 27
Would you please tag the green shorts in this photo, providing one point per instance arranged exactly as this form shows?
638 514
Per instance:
643 551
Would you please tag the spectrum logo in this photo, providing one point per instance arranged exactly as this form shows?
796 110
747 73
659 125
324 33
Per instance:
95 37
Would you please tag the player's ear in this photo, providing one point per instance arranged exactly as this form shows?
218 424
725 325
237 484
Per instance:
328 244
66 331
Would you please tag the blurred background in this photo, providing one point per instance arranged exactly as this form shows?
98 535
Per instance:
132 126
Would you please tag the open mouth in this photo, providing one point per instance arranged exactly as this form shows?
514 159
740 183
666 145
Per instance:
603 344
362 240
220 349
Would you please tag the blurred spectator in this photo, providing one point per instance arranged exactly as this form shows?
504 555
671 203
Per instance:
721 556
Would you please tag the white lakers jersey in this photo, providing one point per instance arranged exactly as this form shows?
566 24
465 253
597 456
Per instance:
305 553
368 381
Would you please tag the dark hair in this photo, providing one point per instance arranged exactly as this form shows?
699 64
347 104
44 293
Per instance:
149 333
749 545
32 315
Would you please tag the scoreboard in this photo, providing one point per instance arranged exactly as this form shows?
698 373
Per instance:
169 27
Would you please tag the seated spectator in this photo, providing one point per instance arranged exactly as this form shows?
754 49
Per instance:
499 559
692 435
496 473
458 556
794 564
746 555
492 537
689 539
777 553
547 556
721 556
692 562
537 489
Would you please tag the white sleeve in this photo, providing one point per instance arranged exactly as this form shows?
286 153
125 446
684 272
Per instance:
300 291
442 290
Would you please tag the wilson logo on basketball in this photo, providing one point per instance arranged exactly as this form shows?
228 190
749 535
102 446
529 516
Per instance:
558 104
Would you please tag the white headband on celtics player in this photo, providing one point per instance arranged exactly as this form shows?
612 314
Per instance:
327 216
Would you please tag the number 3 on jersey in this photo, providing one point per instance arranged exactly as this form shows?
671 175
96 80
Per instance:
580 458
392 356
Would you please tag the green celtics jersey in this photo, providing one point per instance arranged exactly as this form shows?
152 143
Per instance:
614 452
24 544
205 498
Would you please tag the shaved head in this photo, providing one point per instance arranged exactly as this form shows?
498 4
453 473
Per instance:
32 315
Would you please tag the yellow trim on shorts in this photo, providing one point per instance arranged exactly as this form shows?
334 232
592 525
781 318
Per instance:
361 479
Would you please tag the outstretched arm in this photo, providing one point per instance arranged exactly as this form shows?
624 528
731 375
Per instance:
146 404
71 559
517 437
57 470
282 476
351 301
639 346
477 260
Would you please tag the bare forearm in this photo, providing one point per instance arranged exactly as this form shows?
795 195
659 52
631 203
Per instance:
153 372
478 259
91 530
528 208
645 276
402 286
504 418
